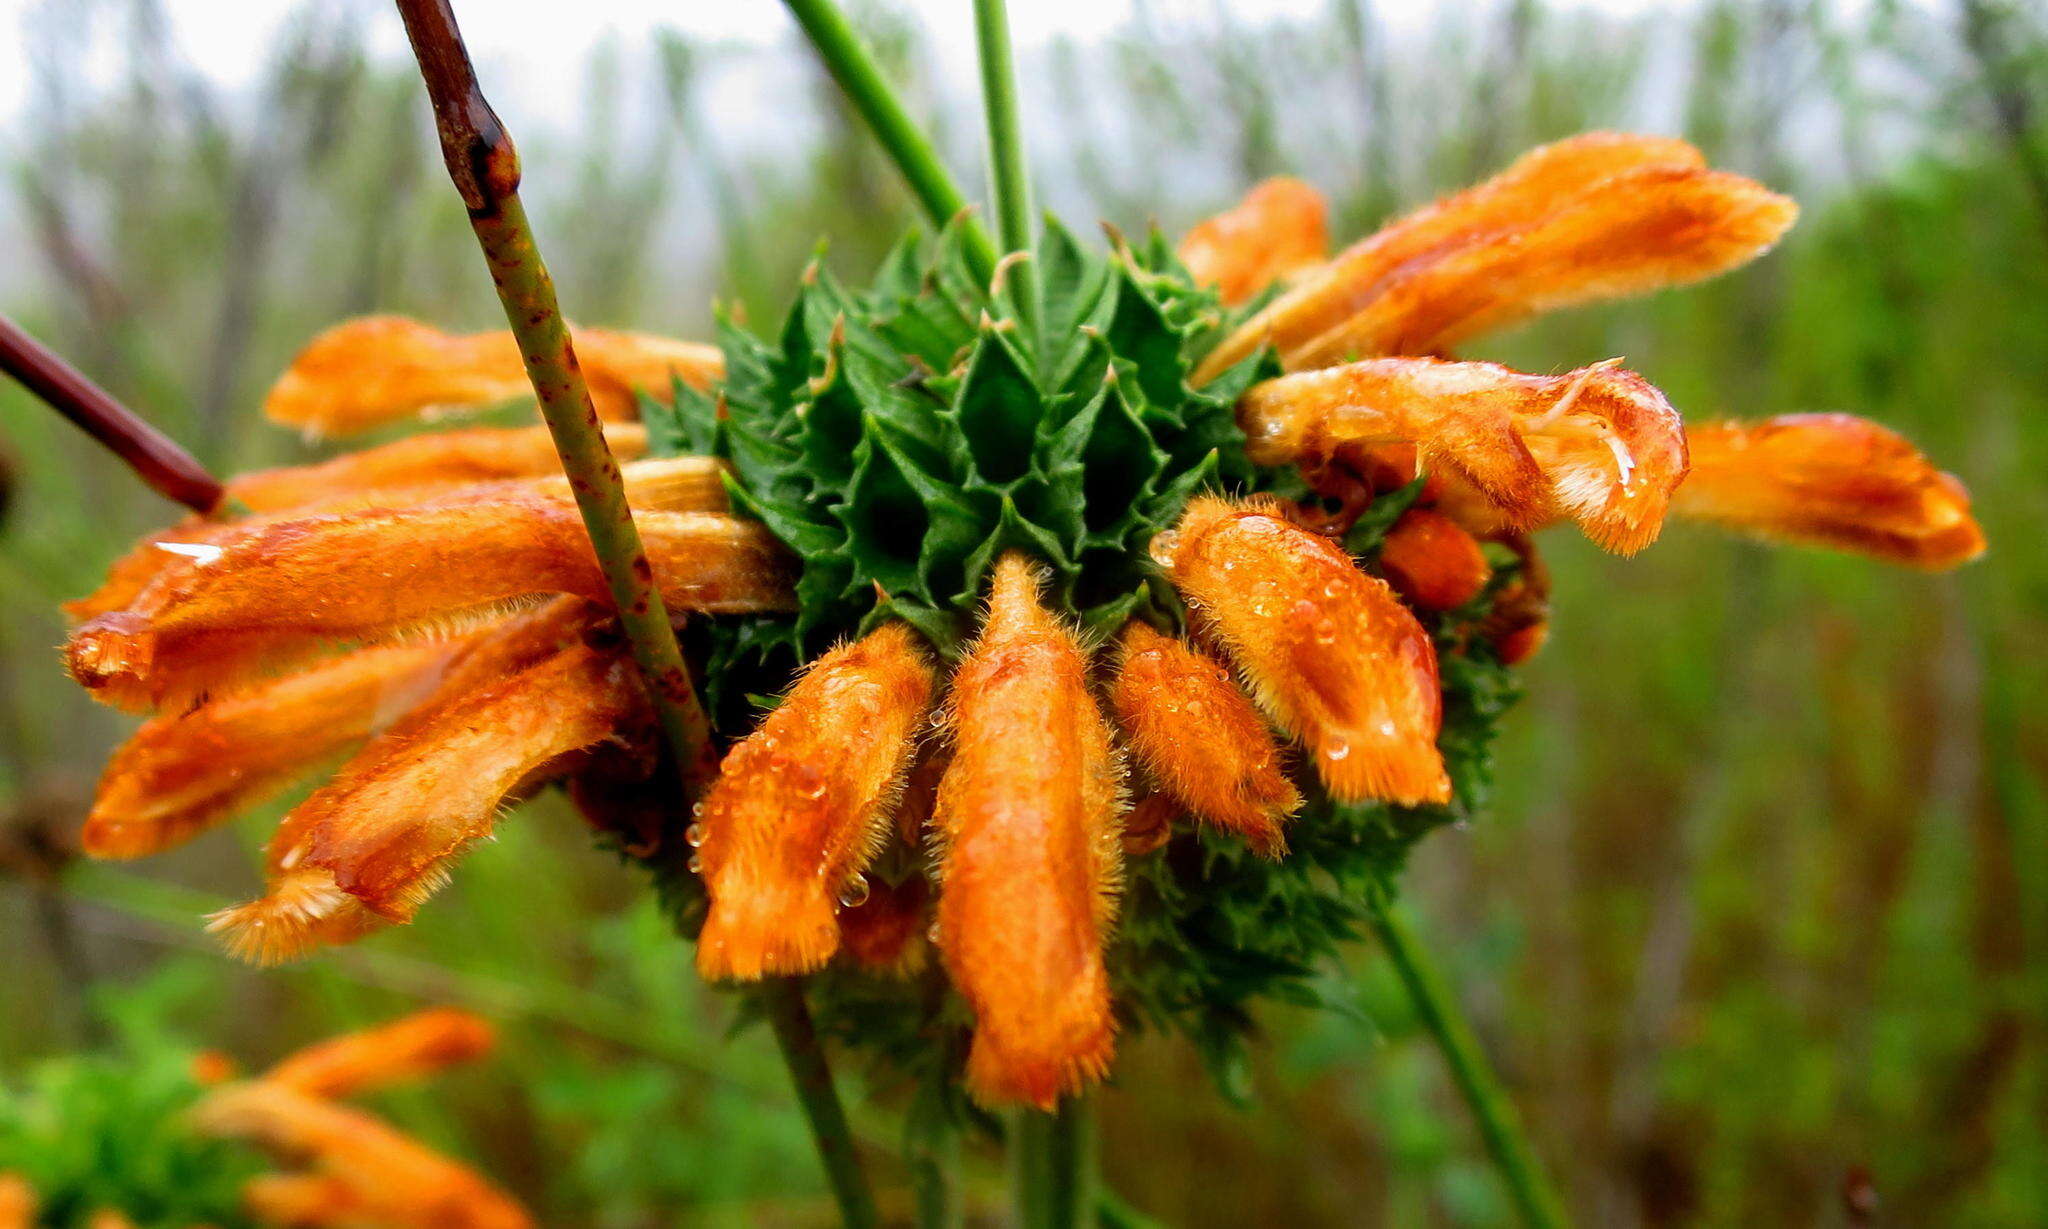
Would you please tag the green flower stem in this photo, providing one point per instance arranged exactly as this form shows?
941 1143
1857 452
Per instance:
782 998
485 167
1052 1166
169 470
847 59
1008 171
1499 1125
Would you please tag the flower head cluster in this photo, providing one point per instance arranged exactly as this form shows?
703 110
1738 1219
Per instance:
1037 584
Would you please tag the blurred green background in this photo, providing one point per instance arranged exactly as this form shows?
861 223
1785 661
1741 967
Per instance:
1756 929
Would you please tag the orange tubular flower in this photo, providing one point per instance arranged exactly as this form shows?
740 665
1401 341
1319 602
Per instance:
1594 217
478 454
381 571
1432 562
1278 230
1831 480
1201 739
1598 444
1030 865
374 1174
379 369
802 806
404 1050
183 772
373 844
1330 652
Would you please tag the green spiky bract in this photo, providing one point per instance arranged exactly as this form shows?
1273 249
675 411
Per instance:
898 440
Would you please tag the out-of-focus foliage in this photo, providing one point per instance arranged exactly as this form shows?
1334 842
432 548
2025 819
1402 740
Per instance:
1756 925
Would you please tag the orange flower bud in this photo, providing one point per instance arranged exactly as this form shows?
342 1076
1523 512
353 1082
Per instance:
376 573
801 807
379 837
480 454
399 1052
1027 829
374 370
885 932
1432 562
1328 651
1200 738
1595 217
184 772
1522 643
384 1176
1598 444
1831 480
1280 228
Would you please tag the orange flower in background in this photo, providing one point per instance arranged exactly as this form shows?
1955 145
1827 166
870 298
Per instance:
1280 230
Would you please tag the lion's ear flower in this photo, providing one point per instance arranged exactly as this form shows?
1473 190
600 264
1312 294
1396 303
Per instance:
1831 480
399 1052
1432 561
371 845
1595 217
1194 731
374 370
1029 859
1280 229
1329 652
1599 444
803 805
365 1171
183 772
379 572
422 462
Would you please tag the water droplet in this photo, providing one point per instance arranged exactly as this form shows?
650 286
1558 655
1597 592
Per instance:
696 864
855 893
1326 632
1387 729
931 933
1337 751
693 836
1333 589
814 789
696 808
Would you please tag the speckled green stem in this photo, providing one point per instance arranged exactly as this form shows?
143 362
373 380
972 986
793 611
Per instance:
782 998
1009 175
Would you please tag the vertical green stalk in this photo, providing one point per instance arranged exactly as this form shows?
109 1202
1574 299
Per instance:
485 168
1499 1125
1009 176
847 59
1052 1166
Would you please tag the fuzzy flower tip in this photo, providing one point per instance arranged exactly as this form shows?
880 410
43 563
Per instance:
803 805
1030 863
1329 652
1279 230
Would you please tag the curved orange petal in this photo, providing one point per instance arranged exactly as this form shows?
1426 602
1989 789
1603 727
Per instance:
1599 444
1830 480
802 805
374 370
184 772
393 1179
1201 739
288 589
375 842
1432 562
1329 652
1029 865
398 1052
1280 228
478 454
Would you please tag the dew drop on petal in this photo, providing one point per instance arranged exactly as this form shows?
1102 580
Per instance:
855 893
693 836
1336 750
696 864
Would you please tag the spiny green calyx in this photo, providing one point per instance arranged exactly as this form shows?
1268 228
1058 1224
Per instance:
898 440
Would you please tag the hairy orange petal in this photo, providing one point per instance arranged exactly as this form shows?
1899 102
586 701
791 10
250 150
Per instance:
289 589
1027 824
479 454
1831 480
399 1052
183 772
18 1202
1329 652
1200 738
1599 444
885 932
1280 228
1432 561
370 371
393 1179
302 1201
375 842
801 806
